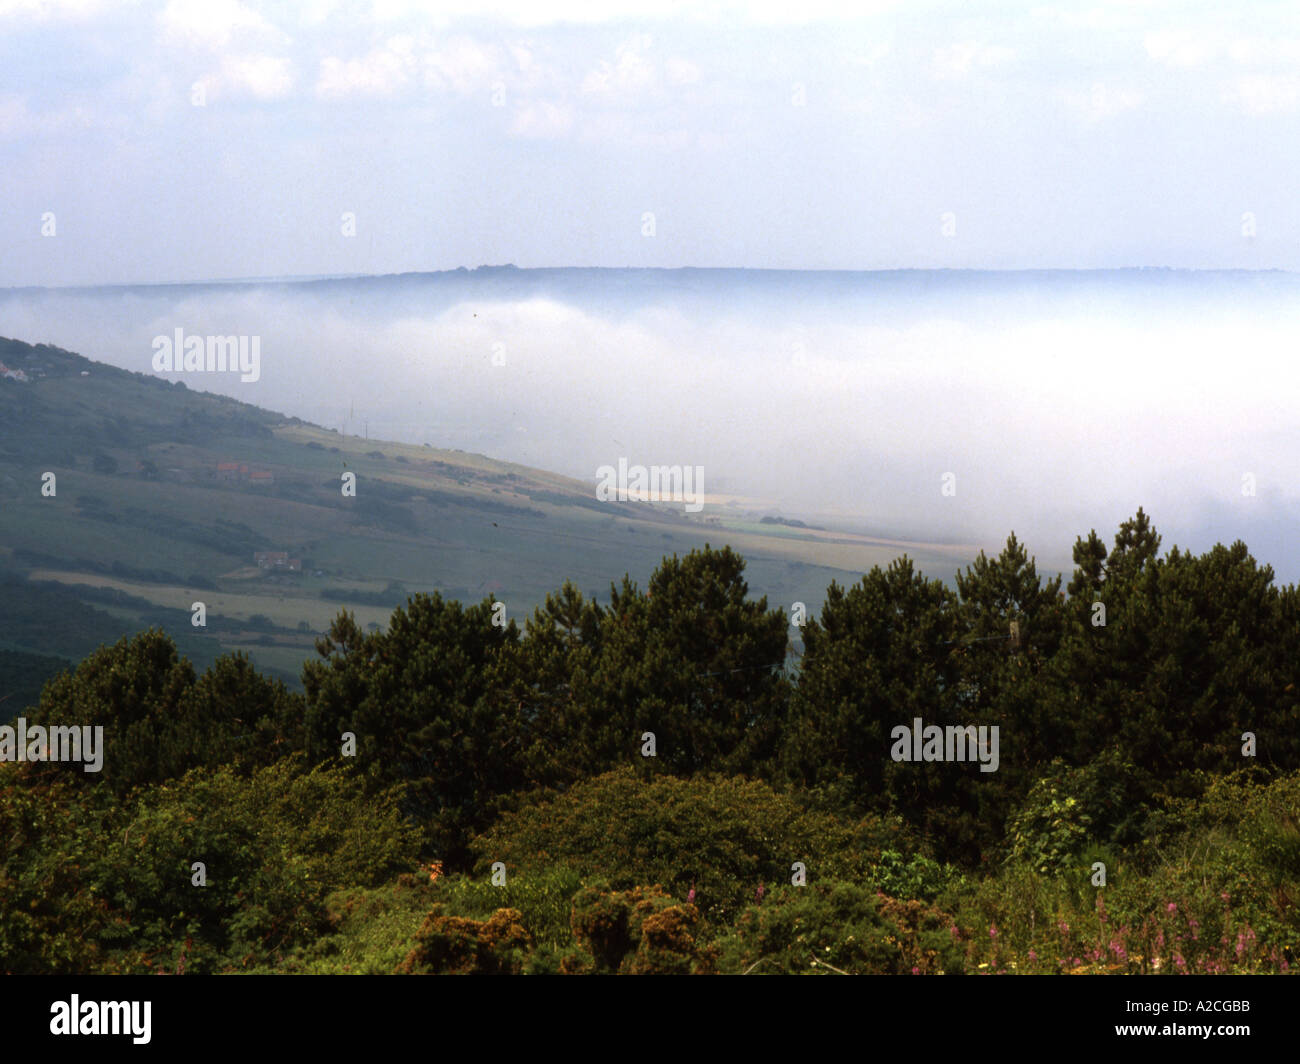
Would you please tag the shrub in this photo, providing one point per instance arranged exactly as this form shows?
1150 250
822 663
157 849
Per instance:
668 945
371 930
840 927
274 845
1220 898
1049 828
455 945
642 931
543 899
722 836
916 876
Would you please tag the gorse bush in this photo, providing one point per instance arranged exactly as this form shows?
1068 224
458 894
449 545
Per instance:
456 945
642 931
840 927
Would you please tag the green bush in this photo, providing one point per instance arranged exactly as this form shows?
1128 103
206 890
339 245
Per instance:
1107 801
1219 897
371 930
916 876
273 846
50 916
543 899
840 927
722 836
1049 828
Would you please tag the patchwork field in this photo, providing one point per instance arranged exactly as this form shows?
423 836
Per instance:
154 506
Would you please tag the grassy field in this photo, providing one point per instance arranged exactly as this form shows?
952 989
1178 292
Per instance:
140 524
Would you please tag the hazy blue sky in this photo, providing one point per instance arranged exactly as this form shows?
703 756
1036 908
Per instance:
772 134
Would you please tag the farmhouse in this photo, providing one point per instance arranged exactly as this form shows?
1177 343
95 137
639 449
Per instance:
277 560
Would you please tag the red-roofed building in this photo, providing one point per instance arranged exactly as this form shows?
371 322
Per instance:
277 560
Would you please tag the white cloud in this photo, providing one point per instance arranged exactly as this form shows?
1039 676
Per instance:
957 60
381 72
459 64
262 77
265 77
634 74
464 66
631 72
313 13
542 119
211 24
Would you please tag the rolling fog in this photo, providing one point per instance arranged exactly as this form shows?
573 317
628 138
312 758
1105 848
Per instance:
1061 401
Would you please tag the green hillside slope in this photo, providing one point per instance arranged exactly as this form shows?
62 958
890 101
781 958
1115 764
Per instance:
163 496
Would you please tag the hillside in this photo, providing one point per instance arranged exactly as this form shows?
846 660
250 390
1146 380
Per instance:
164 496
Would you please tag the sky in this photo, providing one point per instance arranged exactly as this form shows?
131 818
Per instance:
162 143
212 139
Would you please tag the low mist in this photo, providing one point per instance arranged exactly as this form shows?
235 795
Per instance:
1059 401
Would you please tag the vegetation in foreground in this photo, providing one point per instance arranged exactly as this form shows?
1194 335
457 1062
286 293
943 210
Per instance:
499 815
